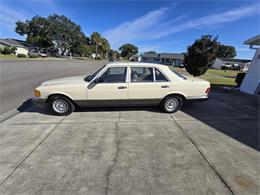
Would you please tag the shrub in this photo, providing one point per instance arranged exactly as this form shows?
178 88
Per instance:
1 50
21 55
239 78
6 50
223 68
13 49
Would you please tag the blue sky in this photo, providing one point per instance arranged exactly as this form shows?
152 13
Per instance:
162 26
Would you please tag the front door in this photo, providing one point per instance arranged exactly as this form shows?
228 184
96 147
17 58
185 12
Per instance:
110 86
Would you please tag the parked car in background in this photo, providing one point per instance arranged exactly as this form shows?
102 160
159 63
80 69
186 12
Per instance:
122 84
38 53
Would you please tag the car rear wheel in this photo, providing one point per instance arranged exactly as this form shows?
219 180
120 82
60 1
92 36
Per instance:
61 106
171 104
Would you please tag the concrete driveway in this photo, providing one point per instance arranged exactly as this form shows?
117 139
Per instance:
207 148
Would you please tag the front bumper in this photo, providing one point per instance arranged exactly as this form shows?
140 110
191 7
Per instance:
40 102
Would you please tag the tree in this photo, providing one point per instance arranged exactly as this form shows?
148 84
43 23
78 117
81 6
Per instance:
37 31
226 51
56 31
64 33
113 54
95 41
105 47
201 55
128 50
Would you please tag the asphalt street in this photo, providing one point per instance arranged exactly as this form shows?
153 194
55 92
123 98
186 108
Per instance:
20 77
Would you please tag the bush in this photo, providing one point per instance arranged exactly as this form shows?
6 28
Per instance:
223 68
1 50
21 55
6 50
13 49
239 78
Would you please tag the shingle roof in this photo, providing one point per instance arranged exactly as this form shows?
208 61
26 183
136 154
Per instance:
14 42
150 55
235 60
172 56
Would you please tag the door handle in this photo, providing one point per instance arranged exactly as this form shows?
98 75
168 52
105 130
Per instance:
165 86
122 87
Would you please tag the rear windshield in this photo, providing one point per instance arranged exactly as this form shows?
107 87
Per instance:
178 74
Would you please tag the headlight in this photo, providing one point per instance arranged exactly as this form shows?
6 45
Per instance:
37 93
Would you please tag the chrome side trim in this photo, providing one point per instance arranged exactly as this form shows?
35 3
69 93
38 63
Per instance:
197 97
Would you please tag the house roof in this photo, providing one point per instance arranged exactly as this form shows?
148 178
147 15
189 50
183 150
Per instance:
253 40
172 56
150 55
14 42
235 60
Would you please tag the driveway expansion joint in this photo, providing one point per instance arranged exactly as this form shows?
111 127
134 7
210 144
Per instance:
29 154
213 168
114 161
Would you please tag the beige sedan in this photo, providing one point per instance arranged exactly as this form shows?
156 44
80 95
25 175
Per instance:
122 84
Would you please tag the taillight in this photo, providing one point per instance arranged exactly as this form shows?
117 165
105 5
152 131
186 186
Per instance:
207 90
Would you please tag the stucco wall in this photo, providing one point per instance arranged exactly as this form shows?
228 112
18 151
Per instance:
252 78
21 51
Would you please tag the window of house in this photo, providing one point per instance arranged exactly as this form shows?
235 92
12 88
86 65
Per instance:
142 74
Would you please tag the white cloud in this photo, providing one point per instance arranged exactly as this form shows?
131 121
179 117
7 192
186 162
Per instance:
8 17
138 28
154 26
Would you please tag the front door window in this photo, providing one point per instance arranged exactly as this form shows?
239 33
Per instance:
114 75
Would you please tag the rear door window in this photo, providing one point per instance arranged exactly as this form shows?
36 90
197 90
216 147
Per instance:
159 77
141 74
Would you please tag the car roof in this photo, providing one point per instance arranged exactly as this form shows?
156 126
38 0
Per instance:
135 64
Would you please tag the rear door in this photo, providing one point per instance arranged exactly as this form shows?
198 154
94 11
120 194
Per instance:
147 84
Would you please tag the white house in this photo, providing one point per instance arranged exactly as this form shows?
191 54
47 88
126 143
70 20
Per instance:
22 46
171 59
231 63
251 82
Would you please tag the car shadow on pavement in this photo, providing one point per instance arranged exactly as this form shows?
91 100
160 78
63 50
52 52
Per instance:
28 106
233 114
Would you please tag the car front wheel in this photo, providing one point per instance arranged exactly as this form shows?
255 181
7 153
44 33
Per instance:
171 104
61 105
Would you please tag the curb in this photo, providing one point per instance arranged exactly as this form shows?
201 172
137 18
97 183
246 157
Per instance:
12 113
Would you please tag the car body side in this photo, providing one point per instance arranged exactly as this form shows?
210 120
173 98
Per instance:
81 92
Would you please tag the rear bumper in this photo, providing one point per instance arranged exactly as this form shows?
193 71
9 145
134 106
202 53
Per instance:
39 102
198 98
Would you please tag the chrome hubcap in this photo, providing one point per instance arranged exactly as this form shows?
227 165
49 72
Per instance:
172 104
60 106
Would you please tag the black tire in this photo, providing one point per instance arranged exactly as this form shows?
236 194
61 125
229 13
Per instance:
66 106
171 104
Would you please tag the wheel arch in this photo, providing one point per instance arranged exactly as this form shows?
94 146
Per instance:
60 94
182 96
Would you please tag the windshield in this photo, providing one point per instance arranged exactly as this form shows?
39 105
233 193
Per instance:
178 74
90 77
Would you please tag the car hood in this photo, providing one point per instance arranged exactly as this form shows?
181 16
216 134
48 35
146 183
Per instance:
65 80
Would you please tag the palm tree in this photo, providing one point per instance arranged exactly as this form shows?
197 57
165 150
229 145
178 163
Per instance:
95 41
105 47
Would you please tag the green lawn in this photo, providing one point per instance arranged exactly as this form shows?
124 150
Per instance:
219 80
231 73
2 56
215 77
